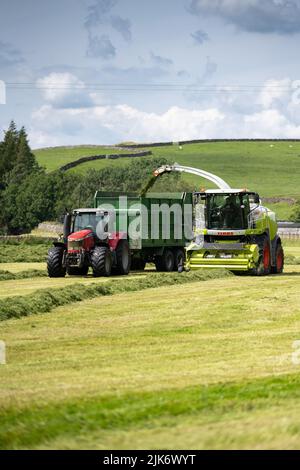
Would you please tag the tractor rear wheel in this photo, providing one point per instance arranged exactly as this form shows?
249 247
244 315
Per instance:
179 258
165 263
101 261
279 260
73 271
54 262
123 258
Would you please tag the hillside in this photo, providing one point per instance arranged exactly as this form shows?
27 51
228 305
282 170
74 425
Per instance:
271 168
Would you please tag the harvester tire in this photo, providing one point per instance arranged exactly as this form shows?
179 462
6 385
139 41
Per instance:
279 260
101 261
123 258
179 258
165 263
263 267
54 262
73 271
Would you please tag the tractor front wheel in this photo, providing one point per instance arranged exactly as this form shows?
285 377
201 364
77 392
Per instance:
54 262
101 261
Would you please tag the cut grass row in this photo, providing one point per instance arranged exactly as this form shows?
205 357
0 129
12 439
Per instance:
43 301
202 365
37 425
23 252
33 273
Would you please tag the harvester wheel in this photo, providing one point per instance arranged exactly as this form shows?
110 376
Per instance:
101 261
266 254
179 258
165 263
123 258
54 262
73 271
279 260
264 263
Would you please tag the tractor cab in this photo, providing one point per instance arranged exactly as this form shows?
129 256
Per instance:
92 220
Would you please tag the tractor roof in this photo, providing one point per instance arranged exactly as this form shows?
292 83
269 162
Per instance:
225 191
87 210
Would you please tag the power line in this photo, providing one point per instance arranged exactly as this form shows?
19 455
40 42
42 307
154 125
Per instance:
141 85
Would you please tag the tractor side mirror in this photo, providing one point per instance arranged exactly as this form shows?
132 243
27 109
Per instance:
256 199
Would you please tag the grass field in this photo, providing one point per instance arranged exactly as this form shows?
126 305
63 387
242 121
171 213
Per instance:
55 157
254 165
203 365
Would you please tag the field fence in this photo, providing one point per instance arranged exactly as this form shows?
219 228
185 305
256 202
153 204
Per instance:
289 233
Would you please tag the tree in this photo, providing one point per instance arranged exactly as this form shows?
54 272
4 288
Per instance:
8 153
25 162
295 216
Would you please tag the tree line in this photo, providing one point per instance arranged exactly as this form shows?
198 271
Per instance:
29 195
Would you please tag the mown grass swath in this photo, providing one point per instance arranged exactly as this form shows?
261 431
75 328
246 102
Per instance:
24 250
45 300
31 273
36 424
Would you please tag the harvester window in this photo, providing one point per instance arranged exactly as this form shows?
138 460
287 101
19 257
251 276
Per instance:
227 212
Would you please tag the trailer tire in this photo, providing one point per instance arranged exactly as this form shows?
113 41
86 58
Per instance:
179 259
54 262
73 271
279 260
123 257
165 263
101 261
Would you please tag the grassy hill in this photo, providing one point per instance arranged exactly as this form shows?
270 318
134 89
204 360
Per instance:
55 157
271 168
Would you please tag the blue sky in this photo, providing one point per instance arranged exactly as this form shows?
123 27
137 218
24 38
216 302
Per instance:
105 71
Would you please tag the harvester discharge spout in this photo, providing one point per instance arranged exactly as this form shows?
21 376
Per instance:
219 182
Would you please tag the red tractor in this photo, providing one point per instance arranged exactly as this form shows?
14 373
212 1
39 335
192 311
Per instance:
86 243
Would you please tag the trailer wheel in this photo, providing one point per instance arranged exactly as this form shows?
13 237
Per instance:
165 263
73 271
279 260
123 258
101 261
54 262
179 258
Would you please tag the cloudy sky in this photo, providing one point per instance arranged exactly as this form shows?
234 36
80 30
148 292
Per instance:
105 71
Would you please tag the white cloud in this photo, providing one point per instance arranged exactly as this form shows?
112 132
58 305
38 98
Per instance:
73 126
275 91
64 90
271 113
